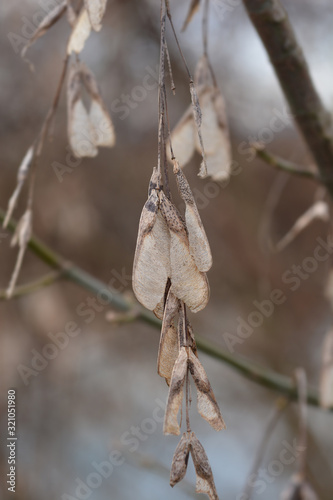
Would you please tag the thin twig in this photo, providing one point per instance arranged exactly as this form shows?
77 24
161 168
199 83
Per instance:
29 288
285 165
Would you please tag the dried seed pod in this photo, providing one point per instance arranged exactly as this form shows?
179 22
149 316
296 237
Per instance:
80 33
80 131
180 460
187 282
168 348
194 6
21 177
183 138
49 20
199 246
175 396
205 480
151 268
21 238
298 489
206 403
326 379
98 115
95 9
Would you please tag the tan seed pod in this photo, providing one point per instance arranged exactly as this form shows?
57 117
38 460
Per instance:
80 33
95 9
151 268
175 396
187 282
199 246
168 348
102 124
204 476
49 20
206 402
21 177
159 309
326 378
183 138
180 460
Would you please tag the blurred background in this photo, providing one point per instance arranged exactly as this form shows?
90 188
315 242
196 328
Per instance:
92 398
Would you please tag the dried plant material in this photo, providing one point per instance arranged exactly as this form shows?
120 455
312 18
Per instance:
194 6
183 138
197 114
180 459
21 177
175 396
95 9
151 268
87 131
49 20
21 238
189 443
80 33
207 405
205 480
71 14
199 246
298 489
168 348
326 378
329 288
159 309
187 282
318 210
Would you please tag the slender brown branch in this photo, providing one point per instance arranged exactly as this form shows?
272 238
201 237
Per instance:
28 288
285 165
250 370
272 24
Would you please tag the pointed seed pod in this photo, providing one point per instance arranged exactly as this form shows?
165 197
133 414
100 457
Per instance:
175 396
80 33
95 9
204 475
168 348
180 460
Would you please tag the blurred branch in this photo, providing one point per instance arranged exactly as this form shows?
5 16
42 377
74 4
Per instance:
284 165
272 24
251 371
28 288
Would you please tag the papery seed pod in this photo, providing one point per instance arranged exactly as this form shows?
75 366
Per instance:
298 489
49 20
175 396
206 402
183 138
151 268
326 378
204 476
21 238
95 9
80 131
194 6
199 246
168 348
180 460
80 33
98 114
187 282
21 177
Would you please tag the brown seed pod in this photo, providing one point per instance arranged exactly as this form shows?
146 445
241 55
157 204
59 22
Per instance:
204 475
206 402
175 396
168 348
151 268
187 282
180 459
199 246
298 489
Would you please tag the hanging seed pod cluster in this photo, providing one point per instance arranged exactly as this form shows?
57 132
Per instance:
171 260
88 129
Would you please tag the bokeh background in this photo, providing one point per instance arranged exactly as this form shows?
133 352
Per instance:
90 397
